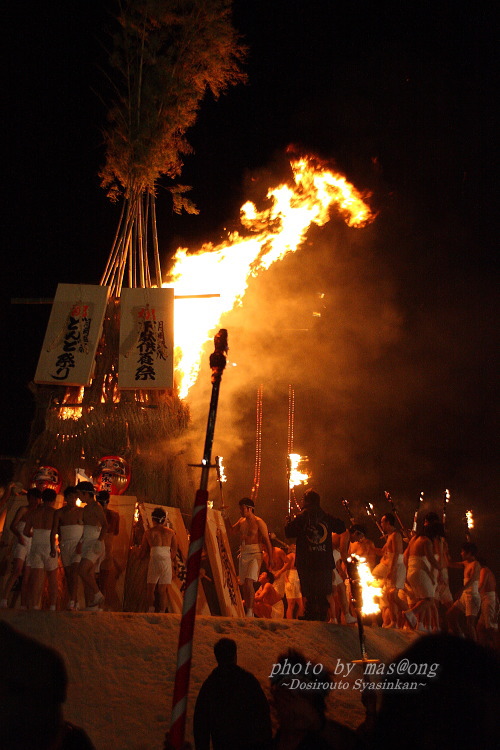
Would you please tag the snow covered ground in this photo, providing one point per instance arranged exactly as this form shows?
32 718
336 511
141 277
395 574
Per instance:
121 666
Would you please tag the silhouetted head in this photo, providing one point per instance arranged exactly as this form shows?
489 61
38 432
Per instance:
225 651
48 495
311 499
102 497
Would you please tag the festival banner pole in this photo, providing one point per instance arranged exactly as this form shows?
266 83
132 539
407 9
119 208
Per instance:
175 738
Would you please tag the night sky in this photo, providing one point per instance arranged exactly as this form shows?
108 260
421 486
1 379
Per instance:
396 382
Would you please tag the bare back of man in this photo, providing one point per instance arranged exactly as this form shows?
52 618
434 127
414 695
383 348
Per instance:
94 527
68 526
39 526
295 603
162 542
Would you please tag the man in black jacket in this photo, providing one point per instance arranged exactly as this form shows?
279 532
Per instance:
313 529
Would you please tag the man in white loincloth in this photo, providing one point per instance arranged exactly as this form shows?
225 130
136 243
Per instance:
277 565
39 526
253 535
469 602
294 601
22 549
391 569
92 551
163 548
487 626
68 526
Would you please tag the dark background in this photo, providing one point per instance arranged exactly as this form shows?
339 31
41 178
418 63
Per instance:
396 382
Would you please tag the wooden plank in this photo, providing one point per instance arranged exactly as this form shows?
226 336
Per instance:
221 561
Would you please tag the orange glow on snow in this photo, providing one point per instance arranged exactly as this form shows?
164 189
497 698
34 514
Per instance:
226 268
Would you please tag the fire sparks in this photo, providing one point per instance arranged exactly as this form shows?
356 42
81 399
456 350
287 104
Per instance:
226 268
469 519
370 591
296 475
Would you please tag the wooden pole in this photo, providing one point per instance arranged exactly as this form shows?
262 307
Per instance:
175 737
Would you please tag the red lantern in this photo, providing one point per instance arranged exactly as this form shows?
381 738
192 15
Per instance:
46 477
112 474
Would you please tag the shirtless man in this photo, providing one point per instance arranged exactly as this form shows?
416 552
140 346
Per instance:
92 550
339 576
266 596
294 600
422 566
107 568
392 568
361 546
162 542
470 600
487 626
278 565
39 525
441 553
21 551
253 535
68 526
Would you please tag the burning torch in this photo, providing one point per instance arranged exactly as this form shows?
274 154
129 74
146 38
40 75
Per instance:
446 500
404 530
295 477
415 515
347 508
370 511
221 479
469 525
175 737
364 597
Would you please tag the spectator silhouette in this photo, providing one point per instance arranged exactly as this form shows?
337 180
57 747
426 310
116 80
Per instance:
299 697
457 708
231 708
33 684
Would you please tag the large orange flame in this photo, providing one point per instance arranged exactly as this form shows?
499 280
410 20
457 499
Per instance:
297 476
226 268
371 591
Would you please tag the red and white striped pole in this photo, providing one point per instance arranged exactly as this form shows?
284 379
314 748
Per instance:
175 737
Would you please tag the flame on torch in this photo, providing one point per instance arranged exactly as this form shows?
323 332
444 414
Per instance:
297 476
370 590
226 269
470 519
221 476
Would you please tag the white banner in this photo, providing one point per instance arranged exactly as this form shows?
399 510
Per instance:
146 339
73 332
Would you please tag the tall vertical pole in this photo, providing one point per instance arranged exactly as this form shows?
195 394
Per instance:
175 737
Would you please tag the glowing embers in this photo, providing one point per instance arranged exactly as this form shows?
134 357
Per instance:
225 269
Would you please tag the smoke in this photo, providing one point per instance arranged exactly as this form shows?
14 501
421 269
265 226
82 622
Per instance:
385 397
